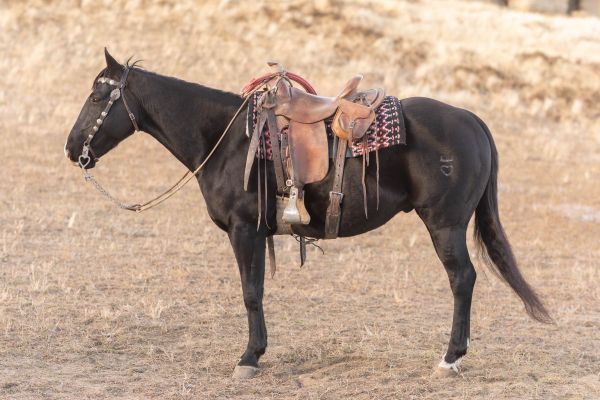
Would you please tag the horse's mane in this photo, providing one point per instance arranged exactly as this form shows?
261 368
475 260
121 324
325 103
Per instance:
137 65
134 64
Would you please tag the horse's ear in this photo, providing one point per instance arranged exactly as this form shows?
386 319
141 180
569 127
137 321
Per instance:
113 68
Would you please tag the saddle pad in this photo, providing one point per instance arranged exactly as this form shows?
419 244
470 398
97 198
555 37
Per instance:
387 130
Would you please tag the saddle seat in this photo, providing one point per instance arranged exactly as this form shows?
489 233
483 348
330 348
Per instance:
300 106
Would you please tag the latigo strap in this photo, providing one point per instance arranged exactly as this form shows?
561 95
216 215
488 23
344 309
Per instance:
334 211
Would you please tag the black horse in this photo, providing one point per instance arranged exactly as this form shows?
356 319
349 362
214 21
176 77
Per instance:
446 172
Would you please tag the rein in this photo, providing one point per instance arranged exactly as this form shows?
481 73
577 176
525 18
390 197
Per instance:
84 158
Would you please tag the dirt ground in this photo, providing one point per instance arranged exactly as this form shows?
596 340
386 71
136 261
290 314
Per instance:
101 303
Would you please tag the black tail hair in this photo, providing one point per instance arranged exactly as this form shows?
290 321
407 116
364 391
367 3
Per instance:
494 245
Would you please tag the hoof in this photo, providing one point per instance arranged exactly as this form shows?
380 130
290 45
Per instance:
446 370
244 372
440 372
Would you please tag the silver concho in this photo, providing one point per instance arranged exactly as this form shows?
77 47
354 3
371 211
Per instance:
115 94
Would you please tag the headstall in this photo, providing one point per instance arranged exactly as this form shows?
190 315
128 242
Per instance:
115 94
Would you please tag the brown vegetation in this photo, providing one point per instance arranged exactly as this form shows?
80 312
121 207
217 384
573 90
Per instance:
100 303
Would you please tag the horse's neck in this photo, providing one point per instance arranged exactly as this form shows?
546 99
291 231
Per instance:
186 118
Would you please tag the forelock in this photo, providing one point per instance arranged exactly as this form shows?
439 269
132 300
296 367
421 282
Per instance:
100 75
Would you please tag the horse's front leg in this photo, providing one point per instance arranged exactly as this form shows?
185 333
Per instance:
249 248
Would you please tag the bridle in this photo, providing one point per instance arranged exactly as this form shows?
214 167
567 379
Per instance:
115 94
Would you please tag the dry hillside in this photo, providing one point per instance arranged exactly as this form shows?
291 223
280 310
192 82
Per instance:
99 303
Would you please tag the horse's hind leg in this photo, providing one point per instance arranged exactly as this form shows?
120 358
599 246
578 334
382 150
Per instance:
451 247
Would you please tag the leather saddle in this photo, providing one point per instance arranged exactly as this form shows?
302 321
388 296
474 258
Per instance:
304 158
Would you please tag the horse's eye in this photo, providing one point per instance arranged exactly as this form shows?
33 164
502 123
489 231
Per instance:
93 99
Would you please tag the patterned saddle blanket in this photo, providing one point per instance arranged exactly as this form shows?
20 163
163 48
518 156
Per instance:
387 130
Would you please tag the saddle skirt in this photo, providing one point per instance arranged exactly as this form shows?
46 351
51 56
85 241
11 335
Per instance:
386 130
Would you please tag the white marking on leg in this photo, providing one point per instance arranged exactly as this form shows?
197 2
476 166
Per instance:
453 366
468 342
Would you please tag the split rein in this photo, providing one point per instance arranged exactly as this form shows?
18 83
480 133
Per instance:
87 152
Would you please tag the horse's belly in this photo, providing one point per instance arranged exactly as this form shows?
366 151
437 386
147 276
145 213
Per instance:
383 200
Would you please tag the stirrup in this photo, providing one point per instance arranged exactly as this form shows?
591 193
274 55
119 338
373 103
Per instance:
295 212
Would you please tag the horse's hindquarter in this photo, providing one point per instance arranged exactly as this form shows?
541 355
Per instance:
448 159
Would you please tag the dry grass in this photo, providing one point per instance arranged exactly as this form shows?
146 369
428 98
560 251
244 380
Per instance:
97 303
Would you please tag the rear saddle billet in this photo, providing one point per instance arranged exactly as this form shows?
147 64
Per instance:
304 158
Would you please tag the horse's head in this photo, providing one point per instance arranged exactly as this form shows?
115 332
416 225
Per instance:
106 118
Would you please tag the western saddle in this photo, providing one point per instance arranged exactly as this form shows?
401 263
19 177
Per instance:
302 156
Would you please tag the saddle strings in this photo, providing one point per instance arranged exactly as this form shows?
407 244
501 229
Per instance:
377 173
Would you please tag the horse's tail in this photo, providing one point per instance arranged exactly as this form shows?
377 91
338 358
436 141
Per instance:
494 245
